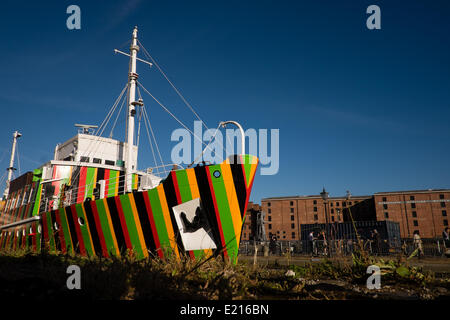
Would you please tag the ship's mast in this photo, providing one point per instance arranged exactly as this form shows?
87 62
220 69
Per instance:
11 163
132 77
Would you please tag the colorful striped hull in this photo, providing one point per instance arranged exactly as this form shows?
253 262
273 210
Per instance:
144 223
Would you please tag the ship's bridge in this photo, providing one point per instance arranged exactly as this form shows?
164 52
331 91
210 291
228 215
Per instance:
95 150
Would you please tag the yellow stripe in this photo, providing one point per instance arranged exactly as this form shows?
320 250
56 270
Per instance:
138 225
232 200
195 194
166 214
108 216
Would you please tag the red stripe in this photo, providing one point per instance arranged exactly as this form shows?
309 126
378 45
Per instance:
225 253
44 228
123 223
73 210
62 240
175 184
82 184
249 189
33 235
106 177
152 225
99 229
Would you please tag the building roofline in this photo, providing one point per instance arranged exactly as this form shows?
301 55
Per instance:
315 197
412 191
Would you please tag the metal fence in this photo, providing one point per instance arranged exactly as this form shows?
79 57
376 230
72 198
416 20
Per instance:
430 247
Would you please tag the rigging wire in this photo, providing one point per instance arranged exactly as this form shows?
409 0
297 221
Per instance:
146 53
171 84
147 125
173 116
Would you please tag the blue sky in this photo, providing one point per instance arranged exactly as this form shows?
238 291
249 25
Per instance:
357 109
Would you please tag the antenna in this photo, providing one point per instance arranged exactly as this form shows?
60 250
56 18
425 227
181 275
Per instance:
86 128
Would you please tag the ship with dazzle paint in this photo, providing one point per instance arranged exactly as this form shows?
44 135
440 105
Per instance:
91 199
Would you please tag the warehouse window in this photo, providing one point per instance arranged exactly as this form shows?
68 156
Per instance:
442 204
292 225
293 235
332 218
268 204
270 226
316 217
412 198
332 210
337 204
414 214
416 224
292 203
441 196
315 202
384 199
444 213
386 215
269 210
270 218
385 206
292 218
445 222
413 205
292 210
315 209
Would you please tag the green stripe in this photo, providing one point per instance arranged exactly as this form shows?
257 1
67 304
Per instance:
131 224
66 231
112 182
247 167
51 239
37 201
90 183
105 227
158 216
84 229
224 212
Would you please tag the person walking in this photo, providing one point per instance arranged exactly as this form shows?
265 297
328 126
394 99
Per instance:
446 237
418 244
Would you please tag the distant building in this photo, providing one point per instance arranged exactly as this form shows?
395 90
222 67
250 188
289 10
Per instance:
422 210
284 215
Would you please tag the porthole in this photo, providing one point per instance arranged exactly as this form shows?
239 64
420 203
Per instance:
216 174
80 221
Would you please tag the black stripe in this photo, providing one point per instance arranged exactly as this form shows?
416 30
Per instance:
100 174
145 222
73 231
121 182
116 224
75 179
92 228
207 204
239 183
55 232
171 198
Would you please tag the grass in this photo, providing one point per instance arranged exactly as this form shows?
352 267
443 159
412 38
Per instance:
43 276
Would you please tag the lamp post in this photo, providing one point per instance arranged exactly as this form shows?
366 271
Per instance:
324 196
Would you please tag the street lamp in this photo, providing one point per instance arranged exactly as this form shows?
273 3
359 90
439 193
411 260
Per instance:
324 196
